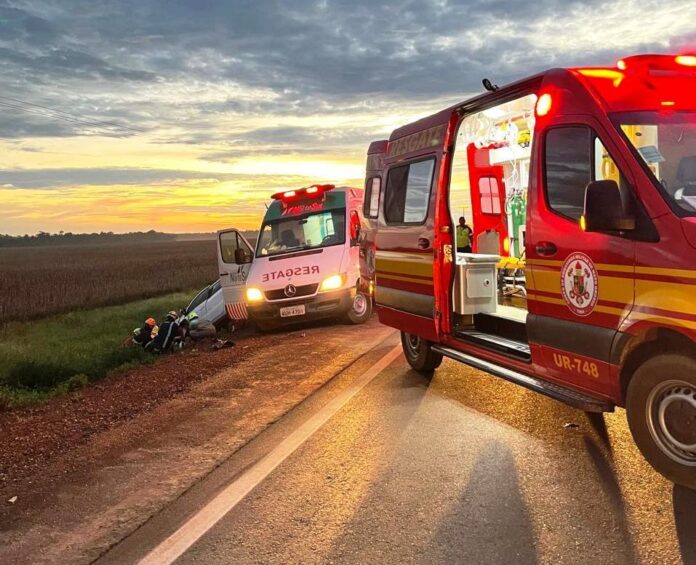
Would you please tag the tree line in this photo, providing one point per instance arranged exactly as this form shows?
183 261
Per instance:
43 238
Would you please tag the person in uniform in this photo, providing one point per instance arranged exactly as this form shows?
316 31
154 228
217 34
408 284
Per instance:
465 236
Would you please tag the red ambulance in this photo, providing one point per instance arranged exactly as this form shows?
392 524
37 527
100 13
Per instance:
580 188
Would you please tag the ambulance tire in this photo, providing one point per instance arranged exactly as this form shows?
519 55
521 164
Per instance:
361 309
419 354
661 412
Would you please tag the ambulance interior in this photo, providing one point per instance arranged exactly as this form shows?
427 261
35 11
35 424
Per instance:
488 187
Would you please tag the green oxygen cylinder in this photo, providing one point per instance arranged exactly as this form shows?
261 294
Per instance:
518 217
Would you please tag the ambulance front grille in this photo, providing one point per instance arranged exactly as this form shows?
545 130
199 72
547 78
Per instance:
300 291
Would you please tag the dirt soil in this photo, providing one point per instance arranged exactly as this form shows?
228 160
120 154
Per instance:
33 438
89 468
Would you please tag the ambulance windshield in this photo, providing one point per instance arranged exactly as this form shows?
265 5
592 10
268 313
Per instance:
308 231
667 144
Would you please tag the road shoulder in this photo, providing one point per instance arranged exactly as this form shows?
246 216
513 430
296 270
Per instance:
129 472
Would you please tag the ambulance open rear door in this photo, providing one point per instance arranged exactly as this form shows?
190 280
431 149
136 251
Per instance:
235 256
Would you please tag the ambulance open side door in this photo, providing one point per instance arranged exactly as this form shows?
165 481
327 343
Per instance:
235 256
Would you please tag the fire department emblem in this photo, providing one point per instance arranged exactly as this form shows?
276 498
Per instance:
579 282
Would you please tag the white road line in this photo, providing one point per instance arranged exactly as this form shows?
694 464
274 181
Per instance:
176 544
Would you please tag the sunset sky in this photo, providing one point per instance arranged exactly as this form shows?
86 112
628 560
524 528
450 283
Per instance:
212 105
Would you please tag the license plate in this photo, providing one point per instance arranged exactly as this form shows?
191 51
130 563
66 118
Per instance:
289 311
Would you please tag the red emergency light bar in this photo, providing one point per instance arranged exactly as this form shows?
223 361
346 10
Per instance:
312 191
647 63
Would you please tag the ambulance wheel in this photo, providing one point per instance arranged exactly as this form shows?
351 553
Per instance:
361 309
661 410
419 354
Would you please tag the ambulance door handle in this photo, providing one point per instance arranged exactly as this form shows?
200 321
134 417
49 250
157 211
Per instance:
423 243
546 248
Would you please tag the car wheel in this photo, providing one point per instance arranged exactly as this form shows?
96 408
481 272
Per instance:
419 354
360 310
661 411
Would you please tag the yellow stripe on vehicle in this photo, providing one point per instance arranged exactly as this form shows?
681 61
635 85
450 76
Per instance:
404 278
405 263
615 268
561 302
611 289
683 273
663 320
546 299
544 262
659 271
674 297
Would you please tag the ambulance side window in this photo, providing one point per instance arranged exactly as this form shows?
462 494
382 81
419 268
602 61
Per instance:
228 245
407 194
575 156
371 205
568 169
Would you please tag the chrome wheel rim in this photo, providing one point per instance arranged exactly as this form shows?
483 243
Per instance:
671 415
359 304
413 343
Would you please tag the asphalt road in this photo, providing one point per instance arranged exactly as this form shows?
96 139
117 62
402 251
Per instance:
465 468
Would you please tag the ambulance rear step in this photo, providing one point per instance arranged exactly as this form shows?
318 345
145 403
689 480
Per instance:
497 343
568 396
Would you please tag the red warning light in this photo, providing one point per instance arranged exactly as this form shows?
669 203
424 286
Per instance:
544 104
686 60
310 191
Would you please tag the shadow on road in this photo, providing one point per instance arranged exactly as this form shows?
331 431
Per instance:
599 425
602 461
491 522
685 521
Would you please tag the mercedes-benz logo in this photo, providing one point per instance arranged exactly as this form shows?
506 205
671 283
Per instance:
290 290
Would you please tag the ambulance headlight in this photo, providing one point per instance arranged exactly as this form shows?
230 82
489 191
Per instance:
254 294
334 282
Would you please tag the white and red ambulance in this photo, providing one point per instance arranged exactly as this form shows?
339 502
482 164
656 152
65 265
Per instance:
312 260
580 187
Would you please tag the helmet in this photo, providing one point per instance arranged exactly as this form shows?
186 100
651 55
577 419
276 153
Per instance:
172 315
192 316
151 322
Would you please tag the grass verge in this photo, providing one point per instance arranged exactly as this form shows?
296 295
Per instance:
49 357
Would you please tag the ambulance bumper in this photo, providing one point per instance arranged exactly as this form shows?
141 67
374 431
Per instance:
321 306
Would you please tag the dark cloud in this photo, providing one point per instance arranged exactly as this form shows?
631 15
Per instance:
99 58
48 178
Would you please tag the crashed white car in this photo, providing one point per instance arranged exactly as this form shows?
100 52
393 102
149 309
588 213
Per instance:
209 304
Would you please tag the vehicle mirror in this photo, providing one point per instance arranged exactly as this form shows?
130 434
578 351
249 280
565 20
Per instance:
354 227
604 208
242 256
